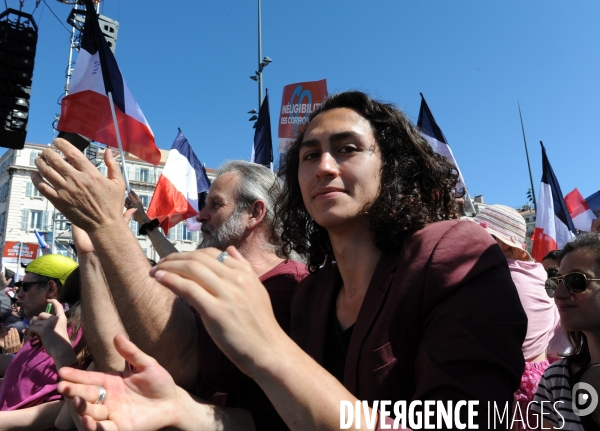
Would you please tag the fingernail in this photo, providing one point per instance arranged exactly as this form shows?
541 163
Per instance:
159 274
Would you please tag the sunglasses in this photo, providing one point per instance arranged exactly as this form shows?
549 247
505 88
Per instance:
26 285
552 272
574 282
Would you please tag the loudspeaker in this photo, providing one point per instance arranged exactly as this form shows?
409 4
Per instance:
79 141
18 41
108 26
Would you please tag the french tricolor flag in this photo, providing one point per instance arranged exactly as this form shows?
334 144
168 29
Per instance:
580 211
553 227
176 195
86 109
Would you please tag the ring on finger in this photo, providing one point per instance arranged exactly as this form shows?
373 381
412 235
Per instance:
221 258
101 395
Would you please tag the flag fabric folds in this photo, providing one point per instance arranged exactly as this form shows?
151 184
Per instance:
553 227
580 211
176 195
594 202
86 109
40 239
433 134
262 151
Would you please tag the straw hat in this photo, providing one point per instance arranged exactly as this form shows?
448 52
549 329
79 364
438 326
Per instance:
504 223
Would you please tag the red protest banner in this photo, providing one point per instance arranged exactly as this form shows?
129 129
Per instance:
297 103
11 252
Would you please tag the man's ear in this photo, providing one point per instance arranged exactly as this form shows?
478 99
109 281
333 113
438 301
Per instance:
258 211
52 290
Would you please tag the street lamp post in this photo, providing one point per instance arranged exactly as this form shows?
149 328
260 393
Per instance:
260 84
262 63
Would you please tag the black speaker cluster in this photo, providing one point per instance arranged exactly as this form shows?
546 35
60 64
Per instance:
18 40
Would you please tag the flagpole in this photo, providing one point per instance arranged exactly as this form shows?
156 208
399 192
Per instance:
260 82
527 154
114 115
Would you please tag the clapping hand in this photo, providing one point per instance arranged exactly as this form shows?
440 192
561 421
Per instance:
232 302
11 342
77 189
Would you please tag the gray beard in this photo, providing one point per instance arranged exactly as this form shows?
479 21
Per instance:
224 235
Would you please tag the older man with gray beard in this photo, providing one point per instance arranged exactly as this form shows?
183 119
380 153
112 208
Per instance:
239 212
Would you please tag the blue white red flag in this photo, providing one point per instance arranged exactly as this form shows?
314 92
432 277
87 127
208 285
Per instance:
86 109
262 150
553 226
580 211
176 195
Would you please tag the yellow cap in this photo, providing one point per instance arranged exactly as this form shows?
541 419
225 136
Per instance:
53 266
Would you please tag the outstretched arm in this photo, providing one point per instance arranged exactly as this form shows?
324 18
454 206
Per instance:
36 418
155 319
161 243
100 316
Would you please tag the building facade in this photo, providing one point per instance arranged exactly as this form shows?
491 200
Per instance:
23 210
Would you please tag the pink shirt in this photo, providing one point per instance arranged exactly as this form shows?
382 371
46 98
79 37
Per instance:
542 314
30 378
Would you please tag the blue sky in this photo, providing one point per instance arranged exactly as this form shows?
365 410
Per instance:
188 64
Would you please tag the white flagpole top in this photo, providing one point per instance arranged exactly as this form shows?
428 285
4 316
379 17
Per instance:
114 115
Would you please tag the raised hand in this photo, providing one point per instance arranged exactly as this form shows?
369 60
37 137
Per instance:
82 241
232 302
77 189
144 399
12 341
52 331
135 204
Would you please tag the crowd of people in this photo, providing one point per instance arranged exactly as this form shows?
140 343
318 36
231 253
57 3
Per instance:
353 277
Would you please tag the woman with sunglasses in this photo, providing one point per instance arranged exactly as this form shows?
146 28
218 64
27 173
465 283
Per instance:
577 296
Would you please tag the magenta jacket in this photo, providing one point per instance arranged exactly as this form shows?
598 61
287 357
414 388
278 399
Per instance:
441 320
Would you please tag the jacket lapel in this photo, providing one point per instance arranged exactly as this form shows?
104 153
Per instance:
369 310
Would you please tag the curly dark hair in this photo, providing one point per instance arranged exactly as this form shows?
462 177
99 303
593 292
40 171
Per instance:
417 185
590 242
